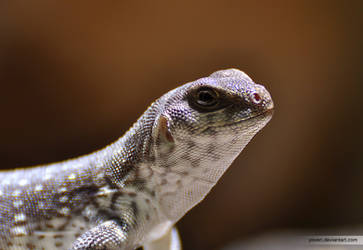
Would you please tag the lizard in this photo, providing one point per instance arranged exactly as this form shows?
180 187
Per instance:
131 193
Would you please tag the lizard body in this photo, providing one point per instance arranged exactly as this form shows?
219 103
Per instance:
132 192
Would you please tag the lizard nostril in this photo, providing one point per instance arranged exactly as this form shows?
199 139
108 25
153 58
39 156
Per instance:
256 98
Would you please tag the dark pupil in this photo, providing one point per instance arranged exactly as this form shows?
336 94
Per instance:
206 97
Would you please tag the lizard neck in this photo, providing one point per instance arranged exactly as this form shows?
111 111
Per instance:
122 157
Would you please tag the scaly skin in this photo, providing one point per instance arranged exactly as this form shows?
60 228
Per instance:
132 192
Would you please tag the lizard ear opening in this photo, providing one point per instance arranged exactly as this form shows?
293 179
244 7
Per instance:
163 132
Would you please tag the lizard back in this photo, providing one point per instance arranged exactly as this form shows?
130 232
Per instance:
133 191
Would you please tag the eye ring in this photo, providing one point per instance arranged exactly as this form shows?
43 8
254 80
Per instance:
206 97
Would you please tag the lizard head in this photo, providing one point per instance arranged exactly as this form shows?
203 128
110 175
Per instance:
217 113
203 125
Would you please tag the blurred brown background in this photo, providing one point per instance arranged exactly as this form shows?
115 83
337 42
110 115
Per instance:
75 75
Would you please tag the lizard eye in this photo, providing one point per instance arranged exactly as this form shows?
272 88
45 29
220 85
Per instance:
206 97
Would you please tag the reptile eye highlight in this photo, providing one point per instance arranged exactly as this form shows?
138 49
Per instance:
207 97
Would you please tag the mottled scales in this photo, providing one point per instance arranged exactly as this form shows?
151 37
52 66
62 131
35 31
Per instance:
132 192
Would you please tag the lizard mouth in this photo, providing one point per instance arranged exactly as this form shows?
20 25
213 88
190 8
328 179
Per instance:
267 114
